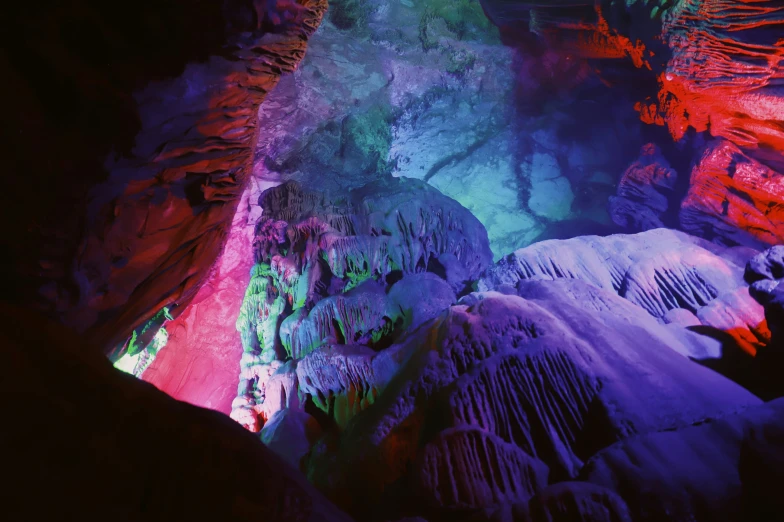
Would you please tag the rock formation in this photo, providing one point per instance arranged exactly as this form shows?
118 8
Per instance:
644 192
715 470
531 385
734 199
715 67
150 146
320 280
319 266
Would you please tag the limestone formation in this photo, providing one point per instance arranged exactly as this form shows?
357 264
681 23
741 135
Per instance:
150 147
643 192
660 270
709 471
326 278
546 374
734 199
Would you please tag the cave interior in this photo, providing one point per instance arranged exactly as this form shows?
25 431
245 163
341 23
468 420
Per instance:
394 260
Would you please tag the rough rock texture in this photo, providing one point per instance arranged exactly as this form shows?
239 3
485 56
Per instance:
149 148
200 362
644 192
556 375
581 501
765 273
726 69
704 68
115 448
454 470
427 90
734 199
660 270
353 273
722 469
290 434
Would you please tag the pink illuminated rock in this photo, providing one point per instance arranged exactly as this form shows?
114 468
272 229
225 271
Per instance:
199 364
126 451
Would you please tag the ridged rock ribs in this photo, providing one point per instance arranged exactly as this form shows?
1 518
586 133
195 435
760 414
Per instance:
138 200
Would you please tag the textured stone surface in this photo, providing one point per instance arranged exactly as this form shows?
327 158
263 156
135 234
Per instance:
578 501
290 434
644 192
151 148
659 270
558 374
710 471
321 278
725 72
428 91
765 273
734 199
705 68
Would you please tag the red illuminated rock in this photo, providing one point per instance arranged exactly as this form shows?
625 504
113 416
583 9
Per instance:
719 65
734 199
726 70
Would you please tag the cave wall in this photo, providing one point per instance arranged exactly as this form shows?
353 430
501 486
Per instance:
148 122
710 73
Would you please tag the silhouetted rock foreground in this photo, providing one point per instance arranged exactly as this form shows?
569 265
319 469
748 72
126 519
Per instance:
83 441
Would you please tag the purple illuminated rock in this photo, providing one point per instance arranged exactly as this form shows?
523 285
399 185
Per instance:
579 502
290 434
643 192
559 373
471 468
718 469
659 270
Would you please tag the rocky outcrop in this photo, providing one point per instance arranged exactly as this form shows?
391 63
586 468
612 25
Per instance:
725 71
581 501
765 273
355 273
200 362
471 468
660 270
715 67
644 192
734 199
290 434
717 470
117 448
539 382
150 146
